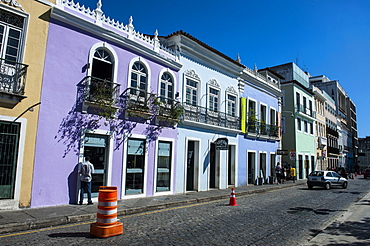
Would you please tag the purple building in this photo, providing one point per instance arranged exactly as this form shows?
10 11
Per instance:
108 92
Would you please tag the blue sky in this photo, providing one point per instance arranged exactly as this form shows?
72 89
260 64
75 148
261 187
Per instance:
324 37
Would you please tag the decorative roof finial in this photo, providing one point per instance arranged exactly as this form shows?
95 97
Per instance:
130 28
238 58
156 41
99 5
98 13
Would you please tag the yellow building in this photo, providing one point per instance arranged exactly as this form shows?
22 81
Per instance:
23 35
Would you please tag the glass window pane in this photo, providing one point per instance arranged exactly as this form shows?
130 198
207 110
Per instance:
164 166
135 166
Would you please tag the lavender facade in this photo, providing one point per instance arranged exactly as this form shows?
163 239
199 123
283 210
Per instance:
108 92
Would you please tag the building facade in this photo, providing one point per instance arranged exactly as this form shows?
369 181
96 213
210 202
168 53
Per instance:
298 119
364 153
260 126
23 41
346 117
207 156
320 127
109 92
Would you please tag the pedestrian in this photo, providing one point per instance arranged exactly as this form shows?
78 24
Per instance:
85 171
293 173
283 174
278 173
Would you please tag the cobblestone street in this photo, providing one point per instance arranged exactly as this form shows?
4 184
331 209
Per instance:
290 216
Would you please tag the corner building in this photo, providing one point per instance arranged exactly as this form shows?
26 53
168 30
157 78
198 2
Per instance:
23 34
109 92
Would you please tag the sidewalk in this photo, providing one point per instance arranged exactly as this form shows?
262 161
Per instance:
35 218
351 228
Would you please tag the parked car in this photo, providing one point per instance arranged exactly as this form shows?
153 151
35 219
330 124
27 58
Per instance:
326 179
367 173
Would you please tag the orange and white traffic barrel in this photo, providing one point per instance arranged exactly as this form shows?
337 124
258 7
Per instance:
106 223
107 206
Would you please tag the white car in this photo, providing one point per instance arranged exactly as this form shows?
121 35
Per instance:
326 179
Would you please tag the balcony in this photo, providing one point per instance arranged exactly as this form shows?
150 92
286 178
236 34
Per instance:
203 117
139 103
99 93
257 129
306 111
322 142
12 83
169 111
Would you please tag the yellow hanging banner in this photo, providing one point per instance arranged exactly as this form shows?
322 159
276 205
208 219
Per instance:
243 113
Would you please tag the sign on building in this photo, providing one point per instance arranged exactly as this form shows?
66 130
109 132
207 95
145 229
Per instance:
222 144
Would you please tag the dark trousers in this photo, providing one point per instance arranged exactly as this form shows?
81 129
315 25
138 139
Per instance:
85 187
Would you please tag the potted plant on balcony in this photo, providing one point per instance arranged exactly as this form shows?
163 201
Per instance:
140 105
168 110
103 99
252 122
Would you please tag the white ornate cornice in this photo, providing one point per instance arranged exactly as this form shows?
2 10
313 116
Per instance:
13 3
191 74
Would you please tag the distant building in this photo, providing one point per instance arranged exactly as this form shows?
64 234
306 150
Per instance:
320 130
364 153
347 120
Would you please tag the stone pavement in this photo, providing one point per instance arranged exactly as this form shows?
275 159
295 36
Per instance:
351 228
35 218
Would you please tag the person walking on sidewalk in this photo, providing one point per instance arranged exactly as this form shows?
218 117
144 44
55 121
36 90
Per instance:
293 173
278 173
85 171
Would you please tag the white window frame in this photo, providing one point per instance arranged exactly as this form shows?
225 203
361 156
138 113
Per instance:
266 112
214 98
192 76
274 115
230 91
23 30
109 49
148 74
124 165
172 184
166 70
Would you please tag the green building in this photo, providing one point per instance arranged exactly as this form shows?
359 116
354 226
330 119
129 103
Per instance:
298 119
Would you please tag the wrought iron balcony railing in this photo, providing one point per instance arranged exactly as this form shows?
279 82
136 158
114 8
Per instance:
261 128
301 109
204 115
12 77
169 109
100 91
138 100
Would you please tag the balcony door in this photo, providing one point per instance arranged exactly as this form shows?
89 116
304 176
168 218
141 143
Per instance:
102 65
100 84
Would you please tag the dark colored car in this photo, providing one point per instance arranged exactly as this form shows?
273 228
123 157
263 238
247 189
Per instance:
367 173
326 179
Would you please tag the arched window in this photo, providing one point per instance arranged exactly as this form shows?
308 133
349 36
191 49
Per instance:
166 90
139 78
102 65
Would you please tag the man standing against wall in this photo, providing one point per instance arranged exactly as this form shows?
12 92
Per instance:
85 171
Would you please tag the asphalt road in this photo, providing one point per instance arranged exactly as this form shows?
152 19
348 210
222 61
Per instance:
290 216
